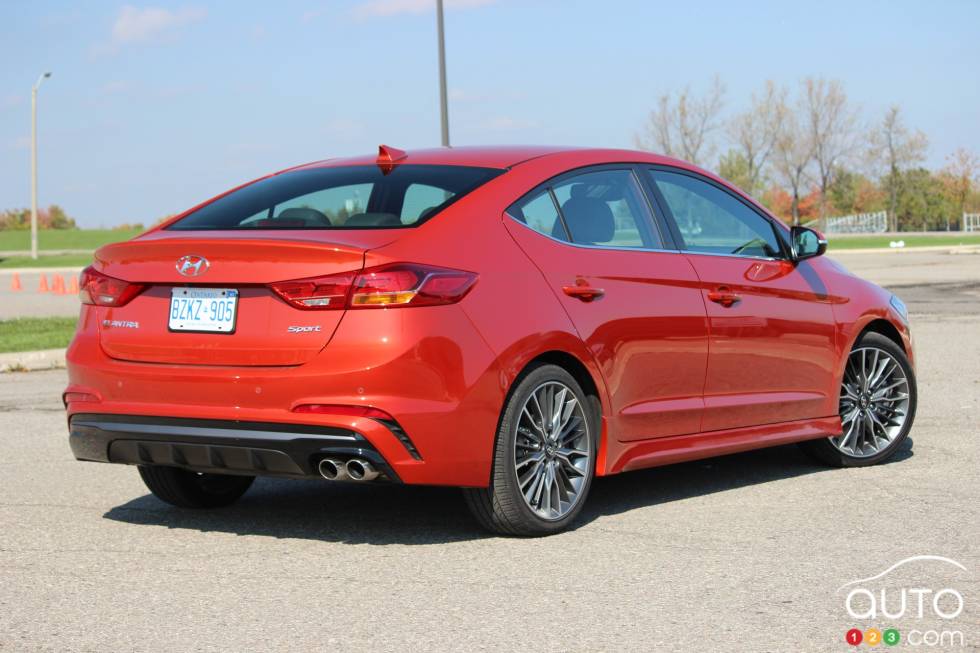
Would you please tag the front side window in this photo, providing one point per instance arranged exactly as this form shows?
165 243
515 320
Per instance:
361 197
713 221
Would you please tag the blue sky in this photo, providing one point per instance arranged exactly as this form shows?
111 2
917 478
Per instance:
154 107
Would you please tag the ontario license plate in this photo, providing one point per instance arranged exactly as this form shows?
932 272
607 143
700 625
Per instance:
203 309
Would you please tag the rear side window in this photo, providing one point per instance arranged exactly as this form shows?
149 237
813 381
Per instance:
606 208
602 208
353 197
540 213
713 221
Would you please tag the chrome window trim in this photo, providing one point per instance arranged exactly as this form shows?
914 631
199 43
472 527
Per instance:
742 256
580 246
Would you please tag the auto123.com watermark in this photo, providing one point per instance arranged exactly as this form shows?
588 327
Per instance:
915 602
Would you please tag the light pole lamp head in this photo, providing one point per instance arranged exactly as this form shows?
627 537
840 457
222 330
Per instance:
40 79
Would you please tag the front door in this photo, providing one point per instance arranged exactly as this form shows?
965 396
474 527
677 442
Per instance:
771 324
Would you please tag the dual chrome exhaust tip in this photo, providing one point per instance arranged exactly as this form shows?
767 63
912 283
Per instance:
355 469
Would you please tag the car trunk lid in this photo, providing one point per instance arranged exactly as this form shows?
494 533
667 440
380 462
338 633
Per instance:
266 331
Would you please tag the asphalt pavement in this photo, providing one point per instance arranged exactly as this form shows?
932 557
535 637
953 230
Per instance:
740 553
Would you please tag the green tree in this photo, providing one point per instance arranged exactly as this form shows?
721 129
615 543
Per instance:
921 202
894 148
734 167
57 219
853 192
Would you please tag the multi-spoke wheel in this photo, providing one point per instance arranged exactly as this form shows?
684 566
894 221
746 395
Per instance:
544 457
552 456
877 405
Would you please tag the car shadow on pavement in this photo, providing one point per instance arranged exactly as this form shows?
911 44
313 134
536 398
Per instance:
379 514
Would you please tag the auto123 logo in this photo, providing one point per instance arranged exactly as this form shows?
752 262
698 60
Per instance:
915 602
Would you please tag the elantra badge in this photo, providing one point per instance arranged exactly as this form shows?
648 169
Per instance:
192 265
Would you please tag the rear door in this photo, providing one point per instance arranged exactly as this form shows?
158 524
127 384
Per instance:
772 328
634 301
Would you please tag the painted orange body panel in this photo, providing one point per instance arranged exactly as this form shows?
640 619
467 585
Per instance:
677 376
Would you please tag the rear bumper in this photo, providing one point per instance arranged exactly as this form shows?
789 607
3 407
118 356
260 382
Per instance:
217 446
428 369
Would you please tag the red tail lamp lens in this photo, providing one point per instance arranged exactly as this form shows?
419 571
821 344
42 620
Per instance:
102 290
400 284
406 284
318 293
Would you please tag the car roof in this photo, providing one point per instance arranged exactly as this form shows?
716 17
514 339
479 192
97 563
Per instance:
495 156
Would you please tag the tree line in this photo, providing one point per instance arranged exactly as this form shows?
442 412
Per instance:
53 217
810 155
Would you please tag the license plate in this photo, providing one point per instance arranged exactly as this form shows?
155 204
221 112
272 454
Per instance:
203 309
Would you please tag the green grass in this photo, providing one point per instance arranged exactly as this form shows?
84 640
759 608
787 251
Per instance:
63 238
47 261
871 242
33 333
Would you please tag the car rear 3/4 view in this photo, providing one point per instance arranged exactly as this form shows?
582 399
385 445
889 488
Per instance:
250 337
514 322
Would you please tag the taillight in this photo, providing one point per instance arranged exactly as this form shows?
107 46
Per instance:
102 290
318 293
399 284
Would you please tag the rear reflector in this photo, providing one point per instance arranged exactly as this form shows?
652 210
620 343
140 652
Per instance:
353 411
102 290
399 284
76 397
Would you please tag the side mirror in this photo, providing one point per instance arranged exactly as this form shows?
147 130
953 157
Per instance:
807 243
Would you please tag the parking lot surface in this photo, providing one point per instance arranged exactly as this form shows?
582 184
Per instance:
741 553
20 294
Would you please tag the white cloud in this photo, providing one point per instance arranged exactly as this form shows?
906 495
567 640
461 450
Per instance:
151 24
384 8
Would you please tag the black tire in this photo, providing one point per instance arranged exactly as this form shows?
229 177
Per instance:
501 508
824 451
185 489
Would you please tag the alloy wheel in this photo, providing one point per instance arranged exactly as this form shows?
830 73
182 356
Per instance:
874 402
553 450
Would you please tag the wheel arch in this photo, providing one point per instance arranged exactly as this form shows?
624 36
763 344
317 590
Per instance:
590 386
874 323
885 328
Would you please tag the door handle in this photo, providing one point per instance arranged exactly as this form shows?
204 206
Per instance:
723 295
583 291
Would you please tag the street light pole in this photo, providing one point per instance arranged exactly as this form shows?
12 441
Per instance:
443 99
36 86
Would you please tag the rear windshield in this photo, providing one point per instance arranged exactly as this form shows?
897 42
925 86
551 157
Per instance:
353 197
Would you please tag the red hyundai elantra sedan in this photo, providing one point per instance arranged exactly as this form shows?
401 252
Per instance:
514 321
